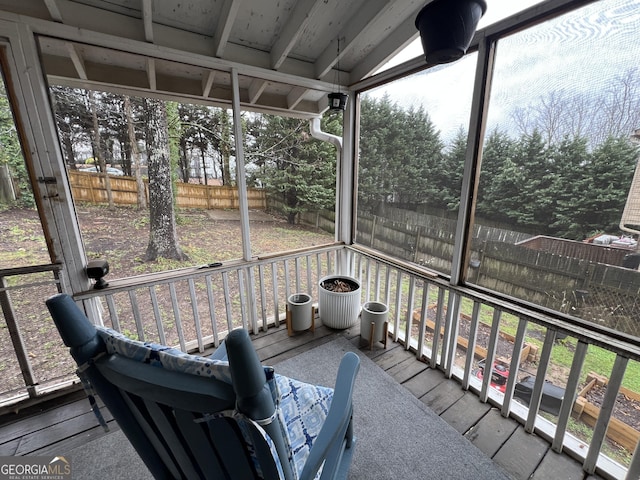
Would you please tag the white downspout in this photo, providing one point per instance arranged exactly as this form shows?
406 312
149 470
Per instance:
316 132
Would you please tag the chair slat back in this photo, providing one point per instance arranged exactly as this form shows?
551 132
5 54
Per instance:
172 410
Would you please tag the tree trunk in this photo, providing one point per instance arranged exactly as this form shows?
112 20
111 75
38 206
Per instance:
225 148
135 154
99 155
163 238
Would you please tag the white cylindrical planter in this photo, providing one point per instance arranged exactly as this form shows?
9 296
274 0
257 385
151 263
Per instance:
301 311
339 309
373 322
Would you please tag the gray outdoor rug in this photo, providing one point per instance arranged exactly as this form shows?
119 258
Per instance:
397 435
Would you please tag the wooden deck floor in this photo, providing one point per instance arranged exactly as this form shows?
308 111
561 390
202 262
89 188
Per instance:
67 422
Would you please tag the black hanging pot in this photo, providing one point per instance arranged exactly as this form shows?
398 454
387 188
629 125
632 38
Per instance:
447 27
338 101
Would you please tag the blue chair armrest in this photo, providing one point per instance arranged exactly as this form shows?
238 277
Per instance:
333 438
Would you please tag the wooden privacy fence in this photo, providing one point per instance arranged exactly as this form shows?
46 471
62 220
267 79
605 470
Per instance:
90 187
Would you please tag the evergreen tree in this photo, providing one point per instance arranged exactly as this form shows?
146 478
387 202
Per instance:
452 171
570 159
294 167
500 180
379 131
608 178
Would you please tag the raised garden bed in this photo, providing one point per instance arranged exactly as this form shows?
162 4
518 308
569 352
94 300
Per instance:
504 348
624 426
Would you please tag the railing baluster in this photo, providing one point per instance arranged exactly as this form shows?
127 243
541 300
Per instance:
409 317
422 326
212 311
396 321
377 283
606 409
367 296
309 281
357 267
156 315
541 372
297 263
263 298
315 293
569 395
196 315
250 298
176 314
276 306
243 303
471 345
227 300
17 340
491 355
387 286
113 313
451 333
133 298
514 367
437 327
287 281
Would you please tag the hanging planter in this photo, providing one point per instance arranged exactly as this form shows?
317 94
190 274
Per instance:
338 101
447 27
339 301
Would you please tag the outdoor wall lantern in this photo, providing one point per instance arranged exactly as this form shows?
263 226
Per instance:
447 27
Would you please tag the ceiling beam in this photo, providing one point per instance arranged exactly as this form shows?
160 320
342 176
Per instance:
255 89
207 83
295 96
353 28
53 9
298 21
78 61
151 73
147 19
225 23
174 51
393 44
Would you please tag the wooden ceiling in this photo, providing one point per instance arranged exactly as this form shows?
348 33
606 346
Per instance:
288 54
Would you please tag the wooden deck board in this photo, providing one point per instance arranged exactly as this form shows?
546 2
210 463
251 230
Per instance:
491 432
521 454
39 439
465 413
403 371
425 381
65 425
554 465
442 396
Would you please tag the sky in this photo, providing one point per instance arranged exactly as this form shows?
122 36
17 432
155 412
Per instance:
578 53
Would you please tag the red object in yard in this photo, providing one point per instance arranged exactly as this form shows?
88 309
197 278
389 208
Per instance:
499 375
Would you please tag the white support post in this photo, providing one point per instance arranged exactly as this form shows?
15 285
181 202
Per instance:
241 181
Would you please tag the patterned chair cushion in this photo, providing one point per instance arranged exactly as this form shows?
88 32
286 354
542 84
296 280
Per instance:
163 356
304 408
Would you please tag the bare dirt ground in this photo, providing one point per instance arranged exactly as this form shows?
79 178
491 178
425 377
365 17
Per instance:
119 236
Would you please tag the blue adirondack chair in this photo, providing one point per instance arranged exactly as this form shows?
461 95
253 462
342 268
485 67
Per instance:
220 417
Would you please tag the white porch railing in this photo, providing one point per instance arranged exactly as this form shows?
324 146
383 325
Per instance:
194 308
